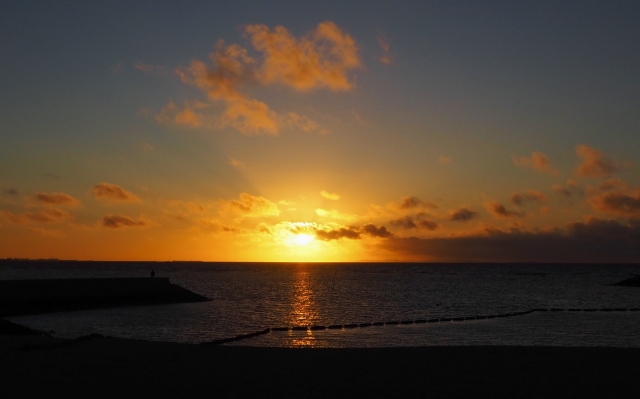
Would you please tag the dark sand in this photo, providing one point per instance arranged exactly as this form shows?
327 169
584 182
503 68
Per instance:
114 368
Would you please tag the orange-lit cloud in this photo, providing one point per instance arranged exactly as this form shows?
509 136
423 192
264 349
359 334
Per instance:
334 214
415 202
235 162
252 206
113 193
594 240
330 196
318 60
49 215
595 163
322 58
538 162
56 199
216 225
616 197
119 221
442 160
385 57
499 210
528 196
462 215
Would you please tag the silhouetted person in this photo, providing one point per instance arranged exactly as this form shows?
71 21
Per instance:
153 273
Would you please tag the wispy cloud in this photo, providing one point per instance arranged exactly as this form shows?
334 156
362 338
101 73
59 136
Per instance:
113 193
56 199
442 160
330 196
385 57
499 210
528 196
462 215
119 221
49 215
614 196
252 206
537 161
9 191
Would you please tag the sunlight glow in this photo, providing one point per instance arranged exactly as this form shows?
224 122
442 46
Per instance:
303 239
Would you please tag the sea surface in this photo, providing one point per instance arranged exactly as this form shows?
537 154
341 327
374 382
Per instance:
248 297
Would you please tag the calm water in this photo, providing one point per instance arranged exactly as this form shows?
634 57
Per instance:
251 297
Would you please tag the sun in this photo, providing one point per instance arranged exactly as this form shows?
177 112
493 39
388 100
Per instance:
302 239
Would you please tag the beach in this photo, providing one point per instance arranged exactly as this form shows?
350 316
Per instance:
99 367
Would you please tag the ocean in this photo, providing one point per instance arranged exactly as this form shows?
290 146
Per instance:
248 297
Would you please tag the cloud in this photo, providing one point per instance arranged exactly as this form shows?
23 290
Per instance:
336 234
118 221
235 162
375 231
47 233
442 160
56 199
216 225
9 191
385 57
462 215
330 196
616 197
322 58
414 202
352 232
567 192
594 240
538 162
113 193
150 68
498 210
335 214
49 215
415 222
594 163
528 196
252 206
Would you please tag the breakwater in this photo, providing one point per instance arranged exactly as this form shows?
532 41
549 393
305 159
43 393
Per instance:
405 322
24 297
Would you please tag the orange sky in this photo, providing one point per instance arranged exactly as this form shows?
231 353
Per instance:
265 139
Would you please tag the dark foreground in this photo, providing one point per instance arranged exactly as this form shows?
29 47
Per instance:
109 368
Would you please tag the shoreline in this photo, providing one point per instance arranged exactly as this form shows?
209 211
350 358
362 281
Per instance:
99 366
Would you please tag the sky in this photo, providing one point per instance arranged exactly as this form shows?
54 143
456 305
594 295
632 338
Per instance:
290 131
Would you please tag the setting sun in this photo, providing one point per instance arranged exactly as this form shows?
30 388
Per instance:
303 239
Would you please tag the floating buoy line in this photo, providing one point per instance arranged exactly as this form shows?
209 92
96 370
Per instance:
405 322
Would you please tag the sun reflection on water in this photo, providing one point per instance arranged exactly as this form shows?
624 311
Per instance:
304 311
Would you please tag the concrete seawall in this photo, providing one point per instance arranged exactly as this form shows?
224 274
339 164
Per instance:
22 297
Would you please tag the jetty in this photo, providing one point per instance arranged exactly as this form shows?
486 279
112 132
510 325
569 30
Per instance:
26 297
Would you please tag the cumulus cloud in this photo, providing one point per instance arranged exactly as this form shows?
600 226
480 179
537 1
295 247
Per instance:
528 196
415 222
375 231
330 196
537 161
572 188
118 221
113 193
321 59
216 225
252 206
595 163
499 210
49 215
594 240
56 199
462 215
